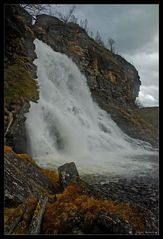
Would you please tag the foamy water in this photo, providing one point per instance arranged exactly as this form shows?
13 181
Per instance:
66 125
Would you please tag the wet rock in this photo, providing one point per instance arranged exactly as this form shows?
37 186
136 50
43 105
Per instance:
16 137
67 173
19 220
35 225
140 191
27 217
111 224
23 178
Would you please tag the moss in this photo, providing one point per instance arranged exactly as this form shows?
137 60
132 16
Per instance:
151 115
24 212
145 127
16 48
139 123
21 60
26 157
20 19
8 212
52 175
75 49
20 83
7 149
29 30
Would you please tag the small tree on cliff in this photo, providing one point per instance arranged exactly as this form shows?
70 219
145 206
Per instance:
111 43
98 39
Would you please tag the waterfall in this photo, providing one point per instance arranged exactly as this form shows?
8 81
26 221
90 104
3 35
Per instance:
67 125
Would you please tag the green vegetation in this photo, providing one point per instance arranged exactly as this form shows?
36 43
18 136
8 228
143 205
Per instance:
20 83
145 122
151 115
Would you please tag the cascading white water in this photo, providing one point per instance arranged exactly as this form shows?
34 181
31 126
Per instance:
66 125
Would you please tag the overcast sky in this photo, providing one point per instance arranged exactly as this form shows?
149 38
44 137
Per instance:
135 28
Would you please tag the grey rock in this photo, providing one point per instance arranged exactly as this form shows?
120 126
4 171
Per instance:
23 178
35 225
67 173
112 224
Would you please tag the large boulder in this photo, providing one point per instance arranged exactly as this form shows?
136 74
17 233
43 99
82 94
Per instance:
67 173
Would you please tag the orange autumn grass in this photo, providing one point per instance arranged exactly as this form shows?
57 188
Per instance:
51 174
7 149
26 157
72 202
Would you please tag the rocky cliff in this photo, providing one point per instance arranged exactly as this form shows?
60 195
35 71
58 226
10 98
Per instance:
20 86
114 83
108 75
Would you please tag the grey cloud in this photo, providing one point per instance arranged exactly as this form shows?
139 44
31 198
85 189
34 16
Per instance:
149 95
132 26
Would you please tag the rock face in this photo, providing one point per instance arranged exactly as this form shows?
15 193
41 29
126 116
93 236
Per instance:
22 177
107 74
151 114
19 73
67 173
27 217
114 83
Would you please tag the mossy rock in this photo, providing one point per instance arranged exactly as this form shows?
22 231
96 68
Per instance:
21 83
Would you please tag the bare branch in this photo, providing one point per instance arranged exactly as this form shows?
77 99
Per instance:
111 43
99 39
66 18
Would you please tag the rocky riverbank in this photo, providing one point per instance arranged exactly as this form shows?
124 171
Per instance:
141 191
37 201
